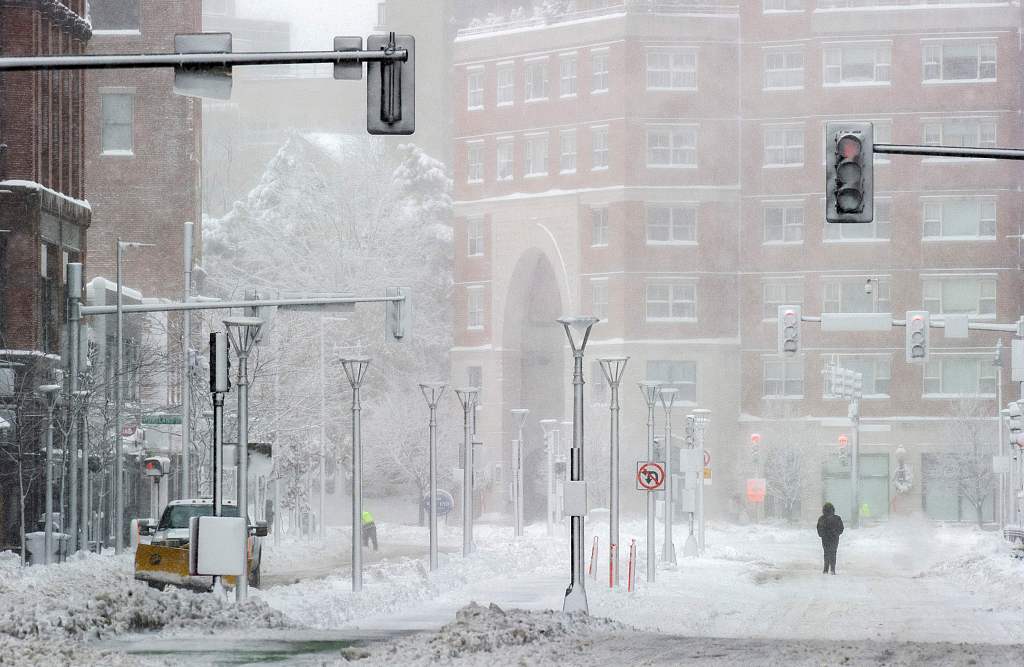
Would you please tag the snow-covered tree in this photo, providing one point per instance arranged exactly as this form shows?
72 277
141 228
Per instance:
974 436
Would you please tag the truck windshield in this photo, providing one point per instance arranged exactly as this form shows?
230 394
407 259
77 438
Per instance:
177 516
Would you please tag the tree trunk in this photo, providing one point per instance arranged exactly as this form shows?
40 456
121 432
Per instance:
21 498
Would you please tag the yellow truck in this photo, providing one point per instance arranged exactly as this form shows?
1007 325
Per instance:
165 559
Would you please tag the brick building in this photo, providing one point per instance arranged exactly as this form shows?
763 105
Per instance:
661 165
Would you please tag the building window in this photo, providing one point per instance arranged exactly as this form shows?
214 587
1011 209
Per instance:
963 218
114 14
599 72
118 110
781 293
783 6
875 370
672 70
854 64
474 162
968 295
959 61
506 161
784 68
681 375
960 132
475 307
847 295
668 302
959 376
879 229
672 147
598 384
599 298
783 378
567 151
537 80
671 224
599 147
783 146
475 378
475 88
382 13
599 226
506 85
535 156
475 237
784 223
567 76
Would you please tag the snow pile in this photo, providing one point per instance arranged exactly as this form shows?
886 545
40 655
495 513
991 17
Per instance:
982 562
64 652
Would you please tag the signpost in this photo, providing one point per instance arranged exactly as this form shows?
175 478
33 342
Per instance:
650 475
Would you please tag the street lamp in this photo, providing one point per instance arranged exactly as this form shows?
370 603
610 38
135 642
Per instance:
701 418
243 333
432 392
650 391
355 371
49 393
467 397
613 368
517 471
549 426
576 489
668 397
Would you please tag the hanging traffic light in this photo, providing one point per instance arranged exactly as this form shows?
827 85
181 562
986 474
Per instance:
917 336
848 175
789 330
844 452
755 446
220 363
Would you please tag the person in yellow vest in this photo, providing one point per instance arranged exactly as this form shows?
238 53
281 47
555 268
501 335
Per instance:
369 530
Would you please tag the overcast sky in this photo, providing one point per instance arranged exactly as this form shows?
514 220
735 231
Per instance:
315 23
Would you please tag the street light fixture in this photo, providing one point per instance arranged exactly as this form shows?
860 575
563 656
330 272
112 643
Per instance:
550 426
49 393
613 368
355 371
701 419
467 397
432 392
517 471
668 397
243 332
576 593
650 390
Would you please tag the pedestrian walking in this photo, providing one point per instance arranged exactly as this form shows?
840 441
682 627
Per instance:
369 530
830 527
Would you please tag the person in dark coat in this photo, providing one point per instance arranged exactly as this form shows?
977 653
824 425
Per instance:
830 527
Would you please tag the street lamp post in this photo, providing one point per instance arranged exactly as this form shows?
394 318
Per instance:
81 398
701 417
650 391
74 331
432 392
517 471
668 397
576 593
244 333
50 393
613 368
186 372
549 426
467 397
355 371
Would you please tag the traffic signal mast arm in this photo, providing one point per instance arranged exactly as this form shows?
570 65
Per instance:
951 151
1017 328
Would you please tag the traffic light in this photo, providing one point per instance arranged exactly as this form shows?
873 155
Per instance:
755 446
156 466
1015 419
848 175
844 452
397 313
917 336
390 87
789 330
220 363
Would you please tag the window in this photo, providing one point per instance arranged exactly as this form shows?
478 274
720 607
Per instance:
847 295
879 229
784 223
474 162
783 378
959 61
848 64
122 15
784 68
671 224
781 293
599 298
118 110
680 374
783 146
671 301
783 5
960 132
537 80
875 370
475 237
382 12
598 384
957 376
506 85
599 227
567 76
672 147
970 295
475 307
962 218
506 162
599 148
599 72
475 378
475 89
535 156
567 151
672 70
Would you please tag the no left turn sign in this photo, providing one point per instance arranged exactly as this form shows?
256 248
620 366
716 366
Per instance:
650 475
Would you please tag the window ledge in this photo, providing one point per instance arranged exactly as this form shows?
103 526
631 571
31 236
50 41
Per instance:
567 96
602 91
533 100
783 397
125 32
479 328
782 165
950 82
846 241
604 168
671 90
783 88
955 239
671 166
567 171
598 245
956 396
118 153
479 108
692 244
537 175
474 181
475 254
782 243
505 104
858 84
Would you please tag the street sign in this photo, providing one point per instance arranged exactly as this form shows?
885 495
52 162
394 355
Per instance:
756 489
650 475
707 459
444 502
127 430
707 476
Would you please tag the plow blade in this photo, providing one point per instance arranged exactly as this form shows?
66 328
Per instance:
161 565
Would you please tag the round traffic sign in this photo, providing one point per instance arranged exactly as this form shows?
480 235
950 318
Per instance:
707 458
443 502
650 476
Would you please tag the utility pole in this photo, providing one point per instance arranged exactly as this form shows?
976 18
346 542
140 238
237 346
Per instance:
355 371
517 471
74 331
668 397
467 397
613 369
432 392
186 371
650 391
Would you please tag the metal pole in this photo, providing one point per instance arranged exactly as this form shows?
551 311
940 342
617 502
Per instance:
355 370
613 368
950 151
186 372
323 430
48 525
1001 508
118 445
218 453
242 587
854 461
549 439
668 554
576 594
650 390
74 329
83 423
467 397
432 392
517 472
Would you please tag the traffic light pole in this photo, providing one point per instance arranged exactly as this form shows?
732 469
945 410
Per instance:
951 151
